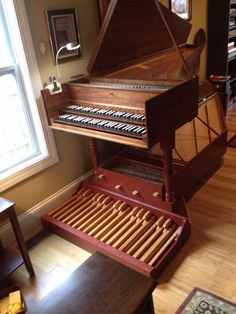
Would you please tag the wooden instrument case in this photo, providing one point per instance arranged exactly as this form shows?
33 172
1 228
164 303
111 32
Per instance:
137 67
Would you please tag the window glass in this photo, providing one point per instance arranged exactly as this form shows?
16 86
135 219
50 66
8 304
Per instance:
16 138
26 144
5 52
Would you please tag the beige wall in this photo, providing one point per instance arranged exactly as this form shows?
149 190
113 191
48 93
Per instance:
199 20
88 27
72 149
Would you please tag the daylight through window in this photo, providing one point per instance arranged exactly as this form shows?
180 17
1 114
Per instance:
23 142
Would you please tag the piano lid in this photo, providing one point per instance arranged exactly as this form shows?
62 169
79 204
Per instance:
133 29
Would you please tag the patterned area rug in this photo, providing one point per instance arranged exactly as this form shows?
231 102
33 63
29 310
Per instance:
203 302
232 142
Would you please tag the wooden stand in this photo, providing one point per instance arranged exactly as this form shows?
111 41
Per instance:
10 260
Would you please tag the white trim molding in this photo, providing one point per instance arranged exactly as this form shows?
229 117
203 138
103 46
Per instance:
30 221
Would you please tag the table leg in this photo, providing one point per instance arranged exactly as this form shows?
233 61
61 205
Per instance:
20 240
167 144
150 305
147 307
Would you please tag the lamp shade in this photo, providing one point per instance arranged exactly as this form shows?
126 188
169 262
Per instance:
72 46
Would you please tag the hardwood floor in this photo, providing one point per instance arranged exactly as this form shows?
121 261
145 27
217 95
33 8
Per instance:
207 261
231 121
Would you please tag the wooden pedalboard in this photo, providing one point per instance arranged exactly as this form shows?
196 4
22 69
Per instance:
136 234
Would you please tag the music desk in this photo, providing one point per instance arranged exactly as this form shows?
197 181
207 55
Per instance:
11 259
102 286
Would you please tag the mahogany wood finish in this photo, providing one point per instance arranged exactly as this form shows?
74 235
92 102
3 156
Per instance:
210 140
149 60
125 34
137 70
168 174
54 103
93 153
108 86
10 260
198 150
160 109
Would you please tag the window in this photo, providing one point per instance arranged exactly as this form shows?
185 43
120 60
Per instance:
26 144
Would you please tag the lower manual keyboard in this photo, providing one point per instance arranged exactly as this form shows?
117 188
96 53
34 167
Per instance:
130 130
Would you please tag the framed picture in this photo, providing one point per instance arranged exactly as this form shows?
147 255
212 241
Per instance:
63 29
182 8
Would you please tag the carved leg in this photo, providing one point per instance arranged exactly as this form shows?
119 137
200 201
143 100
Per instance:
93 153
168 174
167 144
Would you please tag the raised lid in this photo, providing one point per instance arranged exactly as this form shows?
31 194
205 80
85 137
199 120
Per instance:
133 29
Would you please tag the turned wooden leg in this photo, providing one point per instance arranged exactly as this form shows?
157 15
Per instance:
168 174
93 153
167 145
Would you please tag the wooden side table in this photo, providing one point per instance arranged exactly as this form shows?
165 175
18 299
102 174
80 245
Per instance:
9 259
99 286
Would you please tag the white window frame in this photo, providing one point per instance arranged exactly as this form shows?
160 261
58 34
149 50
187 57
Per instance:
49 156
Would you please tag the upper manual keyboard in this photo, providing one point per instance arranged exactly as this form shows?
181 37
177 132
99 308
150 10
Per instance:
109 114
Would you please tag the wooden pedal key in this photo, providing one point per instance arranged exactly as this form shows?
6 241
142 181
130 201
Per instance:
86 210
71 200
168 228
91 218
86 200
76 199
144 245
148 219
126 224
122 217
116 211
137 223
164 247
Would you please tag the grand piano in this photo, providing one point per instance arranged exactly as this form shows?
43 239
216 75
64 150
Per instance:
141 87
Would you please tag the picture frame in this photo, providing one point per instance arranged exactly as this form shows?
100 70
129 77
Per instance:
63 29
183 8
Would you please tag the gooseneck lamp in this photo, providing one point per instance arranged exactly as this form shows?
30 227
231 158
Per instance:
54 85
69 46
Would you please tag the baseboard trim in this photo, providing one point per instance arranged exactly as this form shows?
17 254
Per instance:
30 221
